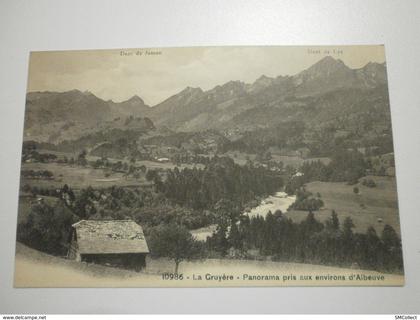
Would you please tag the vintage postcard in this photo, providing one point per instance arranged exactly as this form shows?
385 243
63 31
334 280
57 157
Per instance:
208 166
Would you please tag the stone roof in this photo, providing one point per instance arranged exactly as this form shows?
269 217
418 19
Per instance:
110 236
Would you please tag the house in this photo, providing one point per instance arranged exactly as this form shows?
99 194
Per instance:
298 174
119 243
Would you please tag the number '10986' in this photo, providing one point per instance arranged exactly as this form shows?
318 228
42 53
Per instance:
172 276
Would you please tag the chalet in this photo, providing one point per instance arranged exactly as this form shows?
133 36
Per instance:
119 243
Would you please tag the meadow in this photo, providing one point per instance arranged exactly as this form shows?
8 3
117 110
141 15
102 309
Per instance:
375 206
78 177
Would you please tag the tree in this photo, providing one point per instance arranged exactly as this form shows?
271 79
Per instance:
47 228
348 226
373 252
392 249
83 206
389 237
356 190
174 242
219 239
235 238
307 229
81 158
151 175
310 224
227 210
348 239
333 224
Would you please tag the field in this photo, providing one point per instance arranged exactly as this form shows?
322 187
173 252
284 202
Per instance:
241 158
370 207
36 269
78 177
165 165
296 161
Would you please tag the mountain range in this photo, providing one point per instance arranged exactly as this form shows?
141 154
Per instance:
229 108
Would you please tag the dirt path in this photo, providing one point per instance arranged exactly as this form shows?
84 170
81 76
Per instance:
35 269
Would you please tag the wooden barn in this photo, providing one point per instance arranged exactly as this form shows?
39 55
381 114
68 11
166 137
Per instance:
118 243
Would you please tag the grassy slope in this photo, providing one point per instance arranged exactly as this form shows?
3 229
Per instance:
379 202
36 269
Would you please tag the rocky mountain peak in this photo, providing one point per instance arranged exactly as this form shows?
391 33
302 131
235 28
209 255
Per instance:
326 66
191 90
135 99
261 83
229 88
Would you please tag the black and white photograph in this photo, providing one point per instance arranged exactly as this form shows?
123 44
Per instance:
208 167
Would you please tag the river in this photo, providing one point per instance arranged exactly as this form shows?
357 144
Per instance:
279 201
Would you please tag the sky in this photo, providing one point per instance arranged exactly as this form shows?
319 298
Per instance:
156 74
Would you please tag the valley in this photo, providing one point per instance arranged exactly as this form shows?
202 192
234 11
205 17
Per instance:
293 169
